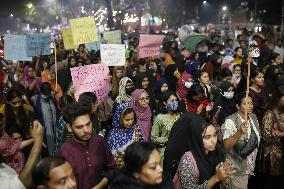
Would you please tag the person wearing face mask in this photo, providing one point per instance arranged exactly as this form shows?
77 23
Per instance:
161 88
184 84
237 74
164 121
223 104
126 87
47 113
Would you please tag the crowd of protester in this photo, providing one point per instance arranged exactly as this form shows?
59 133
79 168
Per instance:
176 120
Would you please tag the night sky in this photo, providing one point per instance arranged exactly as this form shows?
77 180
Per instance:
272 16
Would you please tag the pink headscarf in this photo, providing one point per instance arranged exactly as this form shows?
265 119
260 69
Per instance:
182 90
143 114
30 79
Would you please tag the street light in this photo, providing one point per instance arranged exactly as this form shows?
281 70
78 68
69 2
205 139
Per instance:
204 2
11 15
224 8
30 5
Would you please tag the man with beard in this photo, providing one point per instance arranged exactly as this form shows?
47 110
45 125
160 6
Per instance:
88 153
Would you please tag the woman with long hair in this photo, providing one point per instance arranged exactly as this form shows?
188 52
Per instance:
117 75
164 121
257 93
273 134
17 113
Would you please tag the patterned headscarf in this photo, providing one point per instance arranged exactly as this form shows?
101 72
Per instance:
119 137
122 96
143 114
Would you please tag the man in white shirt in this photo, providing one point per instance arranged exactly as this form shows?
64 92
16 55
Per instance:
9 179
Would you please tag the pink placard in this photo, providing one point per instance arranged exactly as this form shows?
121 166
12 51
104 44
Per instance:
149 45
91 78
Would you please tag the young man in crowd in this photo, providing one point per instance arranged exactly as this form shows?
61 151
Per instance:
88 153
54 173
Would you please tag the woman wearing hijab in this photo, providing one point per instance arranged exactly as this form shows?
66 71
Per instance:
31 81
126 87
125 132
64 75
241 141
140 104
197 162
143 81
131 72
223 104
184 83
161 87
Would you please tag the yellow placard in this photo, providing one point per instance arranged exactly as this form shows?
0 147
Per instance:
68 39
83 30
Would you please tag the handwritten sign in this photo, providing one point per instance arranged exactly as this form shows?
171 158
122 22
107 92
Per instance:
149 45
15 48
68 39
113 54
38 44
112 37
94 46
91 78
83 30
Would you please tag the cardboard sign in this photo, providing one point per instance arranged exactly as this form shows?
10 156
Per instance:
91 78
83 30
15 48
94 46
68 39
112 37
149 45
38 44
113 54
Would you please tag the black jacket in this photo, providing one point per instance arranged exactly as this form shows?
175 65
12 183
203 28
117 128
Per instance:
120 180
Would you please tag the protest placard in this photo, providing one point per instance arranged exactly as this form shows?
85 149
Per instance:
91 78
113 54
94 46
83 30
38 44
112 37
15 48
68 39
149 45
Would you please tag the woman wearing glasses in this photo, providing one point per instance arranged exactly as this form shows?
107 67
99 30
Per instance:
140 104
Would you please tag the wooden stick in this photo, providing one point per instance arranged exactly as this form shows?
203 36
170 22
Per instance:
247 91
55 63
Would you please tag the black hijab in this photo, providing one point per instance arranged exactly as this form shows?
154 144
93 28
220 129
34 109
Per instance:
227 105
186 135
